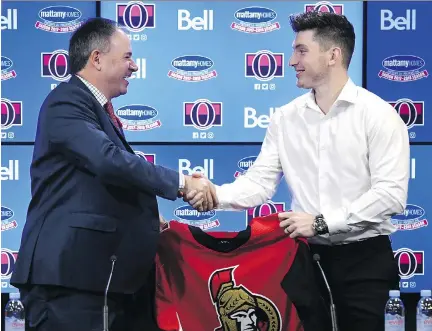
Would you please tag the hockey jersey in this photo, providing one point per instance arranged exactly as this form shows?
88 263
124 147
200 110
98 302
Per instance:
256 279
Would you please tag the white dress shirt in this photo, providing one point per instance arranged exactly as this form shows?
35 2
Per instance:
351 165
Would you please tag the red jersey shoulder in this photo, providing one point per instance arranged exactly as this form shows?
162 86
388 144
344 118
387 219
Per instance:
268 228
266 224
173 234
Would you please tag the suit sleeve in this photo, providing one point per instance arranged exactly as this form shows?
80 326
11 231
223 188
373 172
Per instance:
166 313
75 132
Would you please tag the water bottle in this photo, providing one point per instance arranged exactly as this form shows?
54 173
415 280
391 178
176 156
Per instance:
14 314
424 311
394 312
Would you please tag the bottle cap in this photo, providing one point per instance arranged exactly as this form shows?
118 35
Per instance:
425 293
14 295
394 293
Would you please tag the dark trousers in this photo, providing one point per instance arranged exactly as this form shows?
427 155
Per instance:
360 276
53 308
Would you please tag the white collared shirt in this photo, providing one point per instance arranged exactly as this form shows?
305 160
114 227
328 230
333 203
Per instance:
102 99
351 165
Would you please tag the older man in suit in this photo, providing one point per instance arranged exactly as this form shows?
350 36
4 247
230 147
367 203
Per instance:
93 198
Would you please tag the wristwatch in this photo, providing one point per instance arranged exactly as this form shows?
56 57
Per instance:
320 225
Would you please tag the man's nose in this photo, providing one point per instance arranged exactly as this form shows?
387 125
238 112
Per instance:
292 61
133 66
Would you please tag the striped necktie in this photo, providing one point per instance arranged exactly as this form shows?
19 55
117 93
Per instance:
110 110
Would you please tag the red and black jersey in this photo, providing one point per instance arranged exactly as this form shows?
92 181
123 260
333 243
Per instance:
256 279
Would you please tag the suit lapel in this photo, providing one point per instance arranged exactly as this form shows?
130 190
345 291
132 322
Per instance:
119 133
103 116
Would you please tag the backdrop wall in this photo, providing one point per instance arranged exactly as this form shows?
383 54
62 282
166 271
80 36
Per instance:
397 70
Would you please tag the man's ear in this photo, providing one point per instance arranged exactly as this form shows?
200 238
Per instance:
335 55
95 59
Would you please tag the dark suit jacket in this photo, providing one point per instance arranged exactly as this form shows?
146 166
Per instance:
92 197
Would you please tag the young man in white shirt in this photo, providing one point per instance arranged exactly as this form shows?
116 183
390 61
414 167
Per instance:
344 153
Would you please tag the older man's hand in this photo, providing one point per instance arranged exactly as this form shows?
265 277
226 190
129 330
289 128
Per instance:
200 193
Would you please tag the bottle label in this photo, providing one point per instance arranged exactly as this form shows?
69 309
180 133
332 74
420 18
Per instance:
14 324
424 323
394 322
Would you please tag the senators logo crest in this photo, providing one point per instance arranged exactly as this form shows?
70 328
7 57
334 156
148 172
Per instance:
238 308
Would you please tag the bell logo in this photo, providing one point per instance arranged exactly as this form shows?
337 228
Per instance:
11 172
10 21
251 120
413 169
141 73
196 23
206 170
399 23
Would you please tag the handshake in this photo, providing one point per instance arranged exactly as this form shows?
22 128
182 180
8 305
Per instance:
199 192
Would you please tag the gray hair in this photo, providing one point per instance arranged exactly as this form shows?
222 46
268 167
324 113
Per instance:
93 34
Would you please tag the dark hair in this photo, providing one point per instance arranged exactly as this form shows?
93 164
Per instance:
329 28
95 33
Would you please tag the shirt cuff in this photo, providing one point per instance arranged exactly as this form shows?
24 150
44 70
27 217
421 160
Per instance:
224 198
221 205
181 181
337 222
